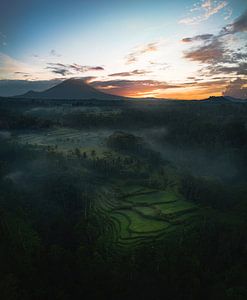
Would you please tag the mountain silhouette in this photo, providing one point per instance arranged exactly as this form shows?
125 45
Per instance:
71 89
225 99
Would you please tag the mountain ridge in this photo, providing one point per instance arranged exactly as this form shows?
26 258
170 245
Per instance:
78 89
74 89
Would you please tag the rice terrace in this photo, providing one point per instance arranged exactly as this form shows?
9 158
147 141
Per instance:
131 214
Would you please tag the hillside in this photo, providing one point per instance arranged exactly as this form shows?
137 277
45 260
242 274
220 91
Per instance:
71 89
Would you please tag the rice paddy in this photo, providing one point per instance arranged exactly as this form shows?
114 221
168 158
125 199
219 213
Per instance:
131 214
65 139
140 215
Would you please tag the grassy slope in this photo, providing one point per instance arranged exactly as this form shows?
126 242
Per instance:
141 215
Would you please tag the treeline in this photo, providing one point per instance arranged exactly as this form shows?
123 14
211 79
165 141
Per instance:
19 121
212 192
208 134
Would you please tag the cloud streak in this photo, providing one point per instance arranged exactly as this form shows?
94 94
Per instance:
136 54
202 11
198 38
132 88
9 66
130 73
3 39
54 53
239 25
71 69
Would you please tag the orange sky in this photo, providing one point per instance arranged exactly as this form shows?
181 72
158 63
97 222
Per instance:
186 49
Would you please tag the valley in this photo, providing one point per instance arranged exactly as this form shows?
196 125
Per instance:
141 188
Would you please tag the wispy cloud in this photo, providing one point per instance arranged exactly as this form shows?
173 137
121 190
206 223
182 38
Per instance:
130 73
202 11
201 37
141 50
24 74
132 88
9 66
239 25
3 39
82 68
71 69
237 88
58 68
216 55
236 68
54 53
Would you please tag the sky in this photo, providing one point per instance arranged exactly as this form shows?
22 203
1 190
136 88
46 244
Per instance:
137 48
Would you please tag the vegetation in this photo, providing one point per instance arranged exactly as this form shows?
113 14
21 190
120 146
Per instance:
119 200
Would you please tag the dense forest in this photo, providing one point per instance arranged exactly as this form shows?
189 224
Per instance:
123 199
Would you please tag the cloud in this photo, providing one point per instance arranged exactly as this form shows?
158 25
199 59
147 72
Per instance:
237 89
134 56
63 72
25 75
3 39
71 69
58 68
201 37
233 69
132 88
54 53
209 53
142 88
9 66
216 54
196 90
159 65
202 11
82 69
130 83
131 73
239 25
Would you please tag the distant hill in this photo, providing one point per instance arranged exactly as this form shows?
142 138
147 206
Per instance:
71 89
232 99
78 89
224 99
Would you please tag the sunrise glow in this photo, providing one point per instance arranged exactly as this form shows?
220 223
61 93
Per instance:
173 49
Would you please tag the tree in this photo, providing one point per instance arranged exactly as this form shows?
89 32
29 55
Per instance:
77 152
93 153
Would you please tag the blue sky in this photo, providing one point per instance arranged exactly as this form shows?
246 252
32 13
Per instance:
143 42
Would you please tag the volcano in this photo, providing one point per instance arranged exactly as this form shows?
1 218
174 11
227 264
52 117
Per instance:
74 89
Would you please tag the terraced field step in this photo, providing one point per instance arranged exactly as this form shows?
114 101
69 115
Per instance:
140 241
152 197
142 217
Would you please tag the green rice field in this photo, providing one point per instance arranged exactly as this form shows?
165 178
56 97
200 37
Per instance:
139 215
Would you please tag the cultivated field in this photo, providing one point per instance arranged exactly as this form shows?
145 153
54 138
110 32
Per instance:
136 215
